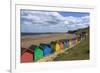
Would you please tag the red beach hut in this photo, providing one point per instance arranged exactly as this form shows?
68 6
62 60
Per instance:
26 55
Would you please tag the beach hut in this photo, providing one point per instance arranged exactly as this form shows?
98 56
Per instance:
38 52
65 43
70 43
52 45
83 34
73 41
61 43
78 38
55 46
46 49
26 55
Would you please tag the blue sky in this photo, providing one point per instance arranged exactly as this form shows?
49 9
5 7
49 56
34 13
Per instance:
46 21
75 14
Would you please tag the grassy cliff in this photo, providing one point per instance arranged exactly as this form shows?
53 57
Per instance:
79 52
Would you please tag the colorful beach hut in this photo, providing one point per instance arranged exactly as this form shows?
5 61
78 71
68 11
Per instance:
38 52
61 43
70 43
52 45
66 42
55 46
78 38
26 55
46 49
73 41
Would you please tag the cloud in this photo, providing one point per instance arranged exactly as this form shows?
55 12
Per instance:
74 23
40 21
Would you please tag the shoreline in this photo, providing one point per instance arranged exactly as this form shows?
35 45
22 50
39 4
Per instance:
36 40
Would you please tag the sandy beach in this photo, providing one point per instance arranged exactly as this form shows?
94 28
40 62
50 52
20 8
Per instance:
26 42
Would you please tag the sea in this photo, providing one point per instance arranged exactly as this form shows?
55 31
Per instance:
29 35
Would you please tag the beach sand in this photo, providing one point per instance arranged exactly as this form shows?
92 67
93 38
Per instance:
36 40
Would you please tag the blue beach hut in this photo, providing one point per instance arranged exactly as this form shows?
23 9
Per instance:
46 49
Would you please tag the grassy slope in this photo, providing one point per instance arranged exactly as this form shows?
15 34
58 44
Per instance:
79 52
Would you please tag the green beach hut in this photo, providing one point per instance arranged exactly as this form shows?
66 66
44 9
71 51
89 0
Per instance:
66 43
38 52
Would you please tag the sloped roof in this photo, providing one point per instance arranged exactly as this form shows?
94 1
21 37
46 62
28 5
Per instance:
23 50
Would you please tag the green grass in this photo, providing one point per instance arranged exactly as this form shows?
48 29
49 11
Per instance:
79 52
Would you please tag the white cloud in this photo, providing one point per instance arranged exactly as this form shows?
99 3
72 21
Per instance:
40 21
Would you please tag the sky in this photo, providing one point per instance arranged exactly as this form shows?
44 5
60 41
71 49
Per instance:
75 14
52 21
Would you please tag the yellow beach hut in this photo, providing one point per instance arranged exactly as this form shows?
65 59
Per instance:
57 47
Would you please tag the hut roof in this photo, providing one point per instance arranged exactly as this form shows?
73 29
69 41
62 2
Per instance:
44 45
33 47
23 50
53 42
